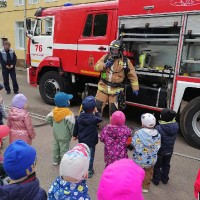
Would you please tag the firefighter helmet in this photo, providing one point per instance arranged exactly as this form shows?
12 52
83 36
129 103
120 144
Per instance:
115 48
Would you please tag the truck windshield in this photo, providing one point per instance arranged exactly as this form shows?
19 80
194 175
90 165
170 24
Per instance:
44 27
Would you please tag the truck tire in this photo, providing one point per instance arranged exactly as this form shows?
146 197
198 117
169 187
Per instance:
49 84
190 122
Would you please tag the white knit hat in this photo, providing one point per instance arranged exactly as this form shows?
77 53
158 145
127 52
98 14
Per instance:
75 163
148 120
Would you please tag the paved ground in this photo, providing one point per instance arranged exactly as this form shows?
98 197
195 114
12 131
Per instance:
183 170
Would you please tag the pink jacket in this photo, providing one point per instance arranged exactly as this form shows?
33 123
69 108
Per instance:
20 124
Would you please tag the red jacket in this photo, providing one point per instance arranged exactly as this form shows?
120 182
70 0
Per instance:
20 124
197 185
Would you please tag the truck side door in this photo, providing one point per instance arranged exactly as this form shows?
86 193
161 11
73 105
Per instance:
99 29
42 41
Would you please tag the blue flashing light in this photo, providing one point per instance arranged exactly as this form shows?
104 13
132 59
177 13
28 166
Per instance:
68 4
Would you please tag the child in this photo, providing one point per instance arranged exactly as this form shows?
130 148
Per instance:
115 137
2 112
121 180
168 130
19 163
62 120
19 120
146 144
71 183
2 106
197 186
4 131
86 128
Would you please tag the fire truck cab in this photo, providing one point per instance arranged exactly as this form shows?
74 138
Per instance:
161 38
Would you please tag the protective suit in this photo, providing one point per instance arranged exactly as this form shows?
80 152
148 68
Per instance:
112 68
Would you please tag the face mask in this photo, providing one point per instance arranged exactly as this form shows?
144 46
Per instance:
114 53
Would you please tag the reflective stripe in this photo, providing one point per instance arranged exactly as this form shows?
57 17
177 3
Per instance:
65 46
96 67
81 47
38 61
163 122
111 92
135 83
89 72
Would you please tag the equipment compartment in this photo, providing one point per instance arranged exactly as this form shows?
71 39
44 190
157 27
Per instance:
161 21
149 95
152 46
190 63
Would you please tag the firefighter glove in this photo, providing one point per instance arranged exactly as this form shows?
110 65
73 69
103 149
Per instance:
135 92
109 62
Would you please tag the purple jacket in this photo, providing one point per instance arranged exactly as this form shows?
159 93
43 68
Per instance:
28 190
115 140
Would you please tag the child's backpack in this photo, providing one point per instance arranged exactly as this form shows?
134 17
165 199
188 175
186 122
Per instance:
197 186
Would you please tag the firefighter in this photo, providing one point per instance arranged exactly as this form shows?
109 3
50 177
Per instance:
114 69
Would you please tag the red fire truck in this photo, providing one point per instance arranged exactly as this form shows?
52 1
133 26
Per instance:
162 40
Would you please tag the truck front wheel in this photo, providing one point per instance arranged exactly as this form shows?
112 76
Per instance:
190 122
49 84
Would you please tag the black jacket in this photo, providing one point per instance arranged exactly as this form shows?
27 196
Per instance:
168 132
86 128
7 58
27 190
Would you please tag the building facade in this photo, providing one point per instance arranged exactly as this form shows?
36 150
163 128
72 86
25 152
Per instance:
12 20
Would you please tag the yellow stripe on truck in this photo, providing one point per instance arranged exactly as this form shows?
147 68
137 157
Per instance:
89 72
36 61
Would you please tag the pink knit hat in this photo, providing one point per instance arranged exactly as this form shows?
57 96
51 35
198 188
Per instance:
121 180
118 118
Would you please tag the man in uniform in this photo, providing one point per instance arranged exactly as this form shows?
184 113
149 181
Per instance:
114 69
8 61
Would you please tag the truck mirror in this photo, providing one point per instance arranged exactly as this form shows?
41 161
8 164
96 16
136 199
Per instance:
28 24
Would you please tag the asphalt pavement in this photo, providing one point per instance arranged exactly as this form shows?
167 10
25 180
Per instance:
184 165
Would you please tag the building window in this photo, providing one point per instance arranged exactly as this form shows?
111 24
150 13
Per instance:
19 35
19 2
96 25
33 1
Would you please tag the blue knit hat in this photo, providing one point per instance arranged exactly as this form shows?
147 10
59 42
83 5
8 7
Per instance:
19 160
62 99
89 103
